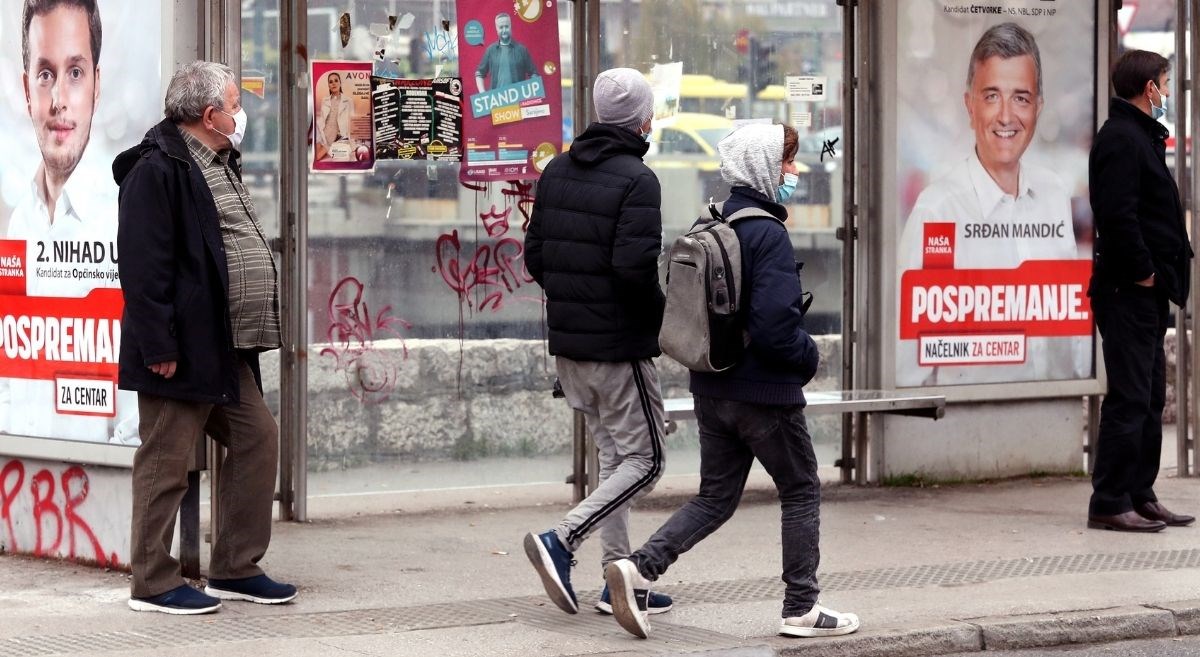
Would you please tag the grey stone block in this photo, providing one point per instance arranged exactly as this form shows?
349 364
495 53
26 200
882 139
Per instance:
1097 626
917 642
433 428
1187 615
520 424
340 431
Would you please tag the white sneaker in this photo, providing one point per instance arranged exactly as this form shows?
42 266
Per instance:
629 591
819 621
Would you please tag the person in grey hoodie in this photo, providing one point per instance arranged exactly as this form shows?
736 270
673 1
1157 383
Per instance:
593 244
754 409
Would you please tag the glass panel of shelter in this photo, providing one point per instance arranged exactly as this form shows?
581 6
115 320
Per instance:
383 319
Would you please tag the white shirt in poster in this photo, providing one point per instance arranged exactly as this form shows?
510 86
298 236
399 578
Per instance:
84 212
971 199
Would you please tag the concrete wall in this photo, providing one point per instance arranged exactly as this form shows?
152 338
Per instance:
986 440
61 510
442 399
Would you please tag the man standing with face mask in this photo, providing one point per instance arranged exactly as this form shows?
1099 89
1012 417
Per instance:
201 302
1142 261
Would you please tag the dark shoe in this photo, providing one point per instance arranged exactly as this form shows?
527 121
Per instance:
260 589
630 594
182 600
553 564
656 603
1156 511
1129 521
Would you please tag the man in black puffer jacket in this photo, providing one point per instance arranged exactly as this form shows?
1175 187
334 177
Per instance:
593 245
1142 262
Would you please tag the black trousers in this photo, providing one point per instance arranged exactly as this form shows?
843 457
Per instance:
1132 323
732 435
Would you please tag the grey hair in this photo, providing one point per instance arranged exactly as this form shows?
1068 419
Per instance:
194 87
1006 40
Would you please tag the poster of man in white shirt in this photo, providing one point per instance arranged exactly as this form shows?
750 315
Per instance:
60 314
992 282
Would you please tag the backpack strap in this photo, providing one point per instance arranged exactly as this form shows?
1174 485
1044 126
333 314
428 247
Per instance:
715 209
750 212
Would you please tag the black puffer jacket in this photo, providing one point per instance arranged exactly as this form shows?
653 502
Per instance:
593 245
1139 218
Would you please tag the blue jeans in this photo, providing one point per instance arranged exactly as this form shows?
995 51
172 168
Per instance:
732 435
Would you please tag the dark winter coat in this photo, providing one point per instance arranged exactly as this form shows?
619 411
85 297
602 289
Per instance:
1139 218
781 356
593 245
173 274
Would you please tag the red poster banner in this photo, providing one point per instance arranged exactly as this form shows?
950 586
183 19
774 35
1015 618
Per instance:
52 337
509 63
1040 298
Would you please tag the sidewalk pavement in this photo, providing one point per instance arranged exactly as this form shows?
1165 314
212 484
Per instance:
930 571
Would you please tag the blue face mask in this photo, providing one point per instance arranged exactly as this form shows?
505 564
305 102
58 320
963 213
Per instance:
1157 112
787 188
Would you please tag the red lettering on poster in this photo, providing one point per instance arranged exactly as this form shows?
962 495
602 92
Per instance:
1040 298
51 337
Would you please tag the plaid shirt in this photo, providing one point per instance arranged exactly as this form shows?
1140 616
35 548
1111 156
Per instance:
253 280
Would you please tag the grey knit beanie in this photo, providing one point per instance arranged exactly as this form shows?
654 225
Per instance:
623 98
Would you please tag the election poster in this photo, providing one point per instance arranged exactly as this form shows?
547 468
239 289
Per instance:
85 87
512 119
343 135
417 119
993 122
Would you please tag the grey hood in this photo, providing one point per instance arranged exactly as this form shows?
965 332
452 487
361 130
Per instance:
752 156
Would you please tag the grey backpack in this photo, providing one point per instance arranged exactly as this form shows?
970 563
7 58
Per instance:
703 326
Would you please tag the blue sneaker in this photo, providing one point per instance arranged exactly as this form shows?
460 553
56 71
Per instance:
553 564
260 589
656 603
182 600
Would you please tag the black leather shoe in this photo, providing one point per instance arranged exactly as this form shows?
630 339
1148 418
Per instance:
1156 511
1129 521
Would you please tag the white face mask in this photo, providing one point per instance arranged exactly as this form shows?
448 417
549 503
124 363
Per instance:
1158 111
239 127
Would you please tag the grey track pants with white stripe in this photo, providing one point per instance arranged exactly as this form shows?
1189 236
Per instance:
624 411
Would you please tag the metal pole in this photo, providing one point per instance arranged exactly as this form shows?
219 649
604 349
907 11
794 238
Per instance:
1186 133
293 374
579 445
851 458
1182 358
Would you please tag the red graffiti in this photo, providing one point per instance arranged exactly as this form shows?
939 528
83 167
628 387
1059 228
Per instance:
43 503
75 486
45 512
13 471
494 271
370 373
523 192
495 222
